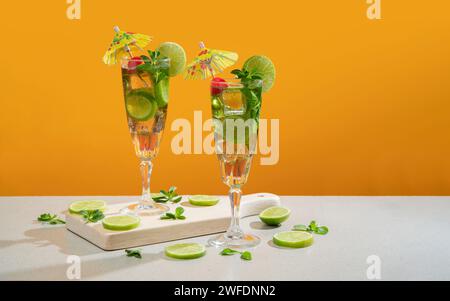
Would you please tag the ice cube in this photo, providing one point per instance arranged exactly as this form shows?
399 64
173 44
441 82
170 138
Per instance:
234 103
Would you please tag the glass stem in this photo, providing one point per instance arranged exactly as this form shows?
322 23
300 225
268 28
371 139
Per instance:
235 231
146 172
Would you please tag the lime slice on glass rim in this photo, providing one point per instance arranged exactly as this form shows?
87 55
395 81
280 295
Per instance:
140 104
293 239
186 251
176 55
203 200
264 67
274 216
90 205
121 222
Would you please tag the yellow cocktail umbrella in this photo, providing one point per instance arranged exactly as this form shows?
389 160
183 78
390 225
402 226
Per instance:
209 62
122 43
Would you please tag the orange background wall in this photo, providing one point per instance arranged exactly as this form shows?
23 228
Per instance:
364 105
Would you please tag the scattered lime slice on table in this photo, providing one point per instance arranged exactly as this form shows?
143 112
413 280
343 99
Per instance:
274 216
203 200
186 251
121 222
293 239
176 55
162 92
78 206
140 104
264 67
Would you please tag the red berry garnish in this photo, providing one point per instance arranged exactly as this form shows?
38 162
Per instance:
217 85
134 62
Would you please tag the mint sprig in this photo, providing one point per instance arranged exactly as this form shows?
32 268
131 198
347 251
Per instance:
244 75
312 228
92 216
136 253
177 215
168 196
51 219
152 65
245 255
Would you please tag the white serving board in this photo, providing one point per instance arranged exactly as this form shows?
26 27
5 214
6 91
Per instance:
199 221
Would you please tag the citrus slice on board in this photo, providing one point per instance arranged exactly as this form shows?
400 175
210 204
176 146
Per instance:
203 200
262 66
89 205
186 251
293 239
177 57
274 216
121 222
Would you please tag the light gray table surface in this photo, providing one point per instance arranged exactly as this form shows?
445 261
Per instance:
410 236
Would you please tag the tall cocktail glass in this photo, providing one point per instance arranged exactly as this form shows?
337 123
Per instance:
235 109
146 94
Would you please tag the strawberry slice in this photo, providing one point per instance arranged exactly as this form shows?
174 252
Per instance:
134 62
217 85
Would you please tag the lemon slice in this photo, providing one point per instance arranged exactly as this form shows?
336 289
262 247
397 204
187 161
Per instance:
90 205
293 239
121 222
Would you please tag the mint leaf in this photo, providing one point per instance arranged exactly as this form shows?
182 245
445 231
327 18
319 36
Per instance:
146 59
136 253
56 221
313 225
312 228
92 216
168 196
246 255
300 228
177 215
321 230
228 251
168 215
179 211
176 199
51 219
45 217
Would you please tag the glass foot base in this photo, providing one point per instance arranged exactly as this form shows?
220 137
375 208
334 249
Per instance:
223 241
145 210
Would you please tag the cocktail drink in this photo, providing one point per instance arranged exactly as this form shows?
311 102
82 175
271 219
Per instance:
235 109
146 94
236 105
145 78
